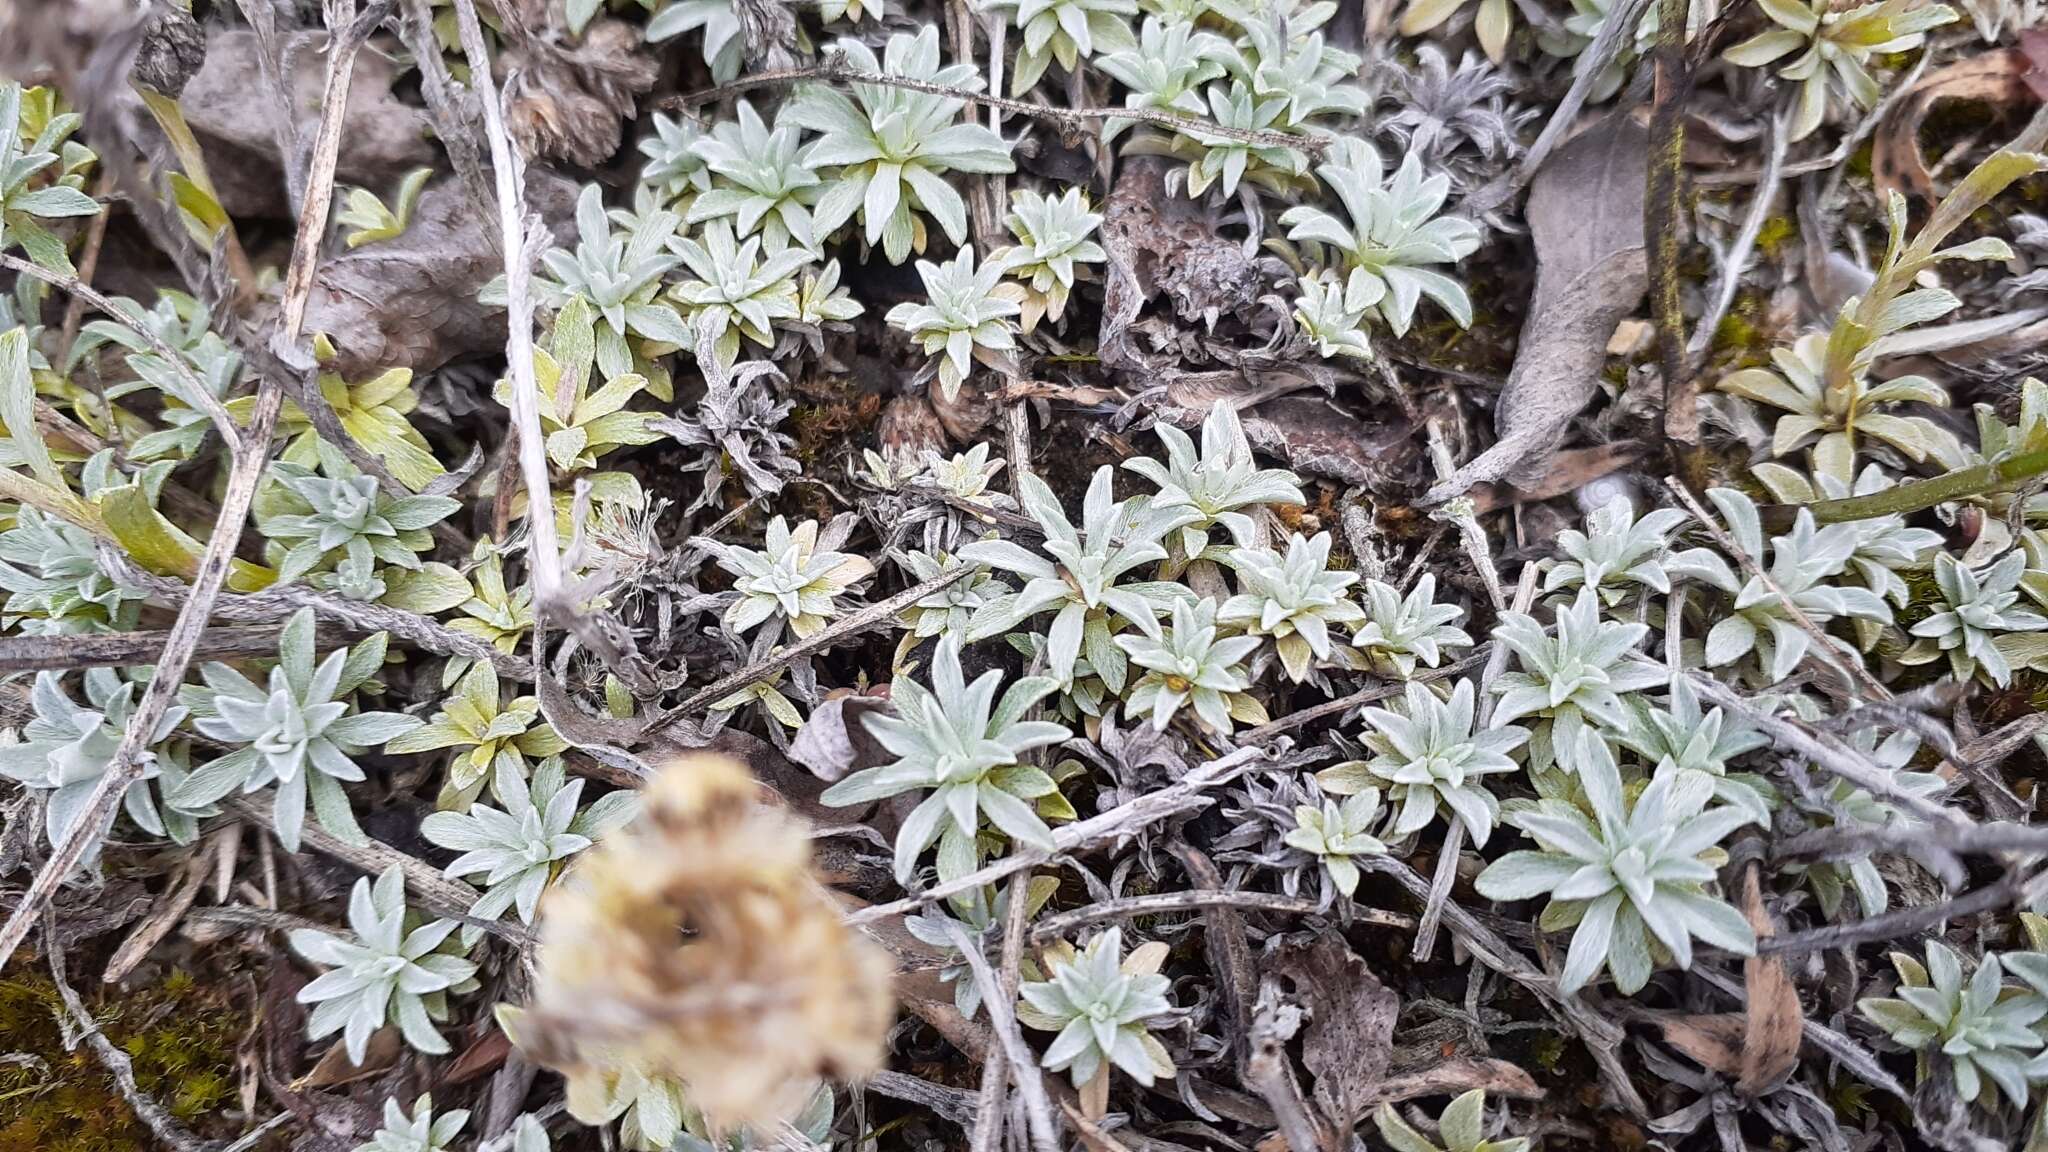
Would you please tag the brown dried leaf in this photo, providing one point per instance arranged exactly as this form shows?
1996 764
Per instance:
410 302
1585 215
1570 470
834 743
2000 77
335 1069
1456 1077
1774 1020
1350 1036
1712 1041
1159 243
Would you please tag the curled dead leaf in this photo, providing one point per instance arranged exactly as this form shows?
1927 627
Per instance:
1773 1021
2001 77
1585 215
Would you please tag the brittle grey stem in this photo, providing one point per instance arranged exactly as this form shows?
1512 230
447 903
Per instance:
1023 1066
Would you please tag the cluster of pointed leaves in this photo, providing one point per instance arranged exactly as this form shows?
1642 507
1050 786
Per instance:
1100 1002
1427 756
1625 876
1391 232
1570 676
959 741
1081 578
1987 1029
393 972
1215 483
297 733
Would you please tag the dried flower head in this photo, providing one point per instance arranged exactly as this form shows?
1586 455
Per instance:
696 945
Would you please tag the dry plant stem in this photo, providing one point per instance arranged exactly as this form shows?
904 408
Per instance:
278 602
1663 217
1124 818
1162 903
1265 732
1828 753
949 1103
1023 1067
879 612
544 553
1729 279
342 46
163 916
262 18
199 397
1600 1035
1460 513
1454 836
424 884
1841 840
160 1123
450 126
1824 648
995 1070
88 260
1899 921
1269 1072
126 649
834 69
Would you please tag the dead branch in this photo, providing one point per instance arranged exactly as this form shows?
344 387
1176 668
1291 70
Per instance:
880 612
279 601
1125 818
1023 1065
1161 903
126 649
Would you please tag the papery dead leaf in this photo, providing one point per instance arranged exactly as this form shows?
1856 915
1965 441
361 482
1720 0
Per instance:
1585 215
1498 1078
1999 77
1349 1039
1773 1019
834 742
410 302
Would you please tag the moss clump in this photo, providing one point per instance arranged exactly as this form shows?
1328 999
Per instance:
181 1038
1776 232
